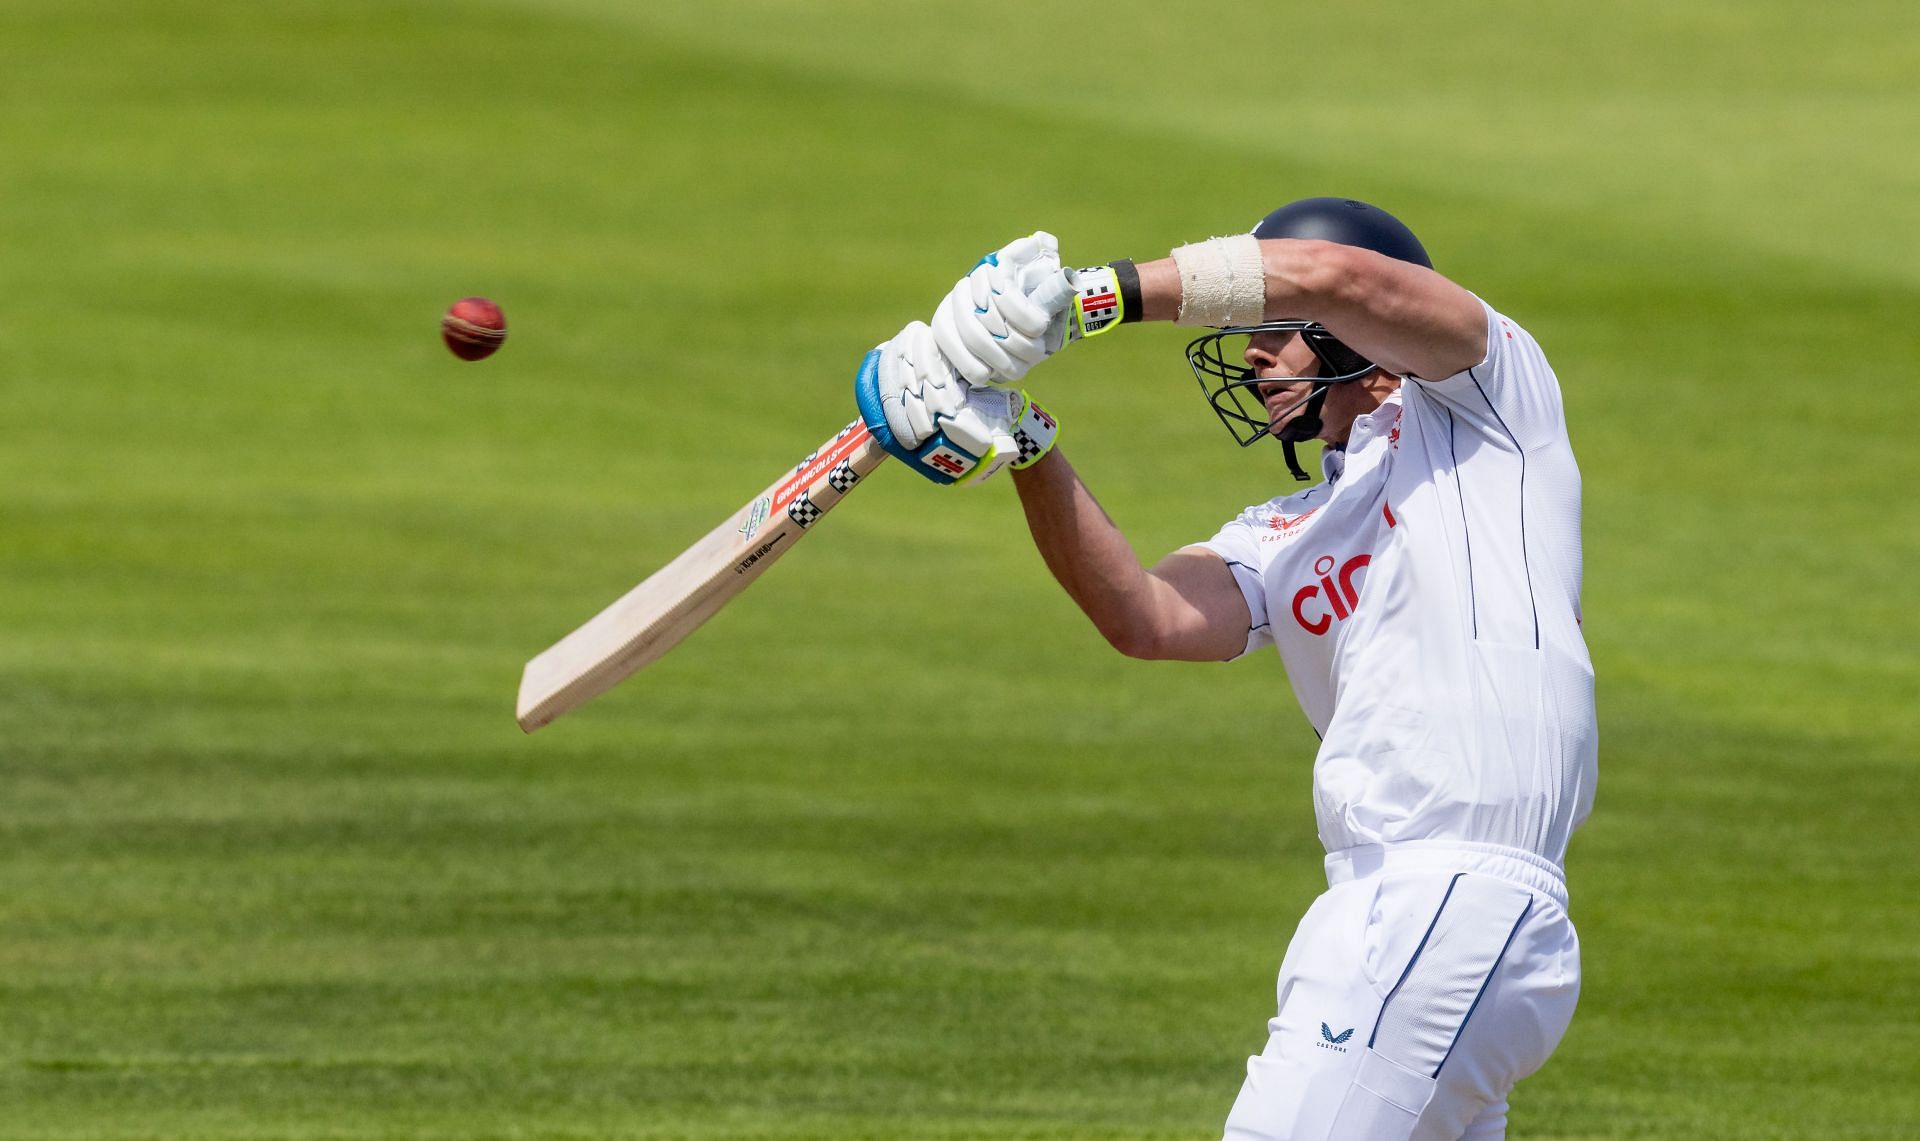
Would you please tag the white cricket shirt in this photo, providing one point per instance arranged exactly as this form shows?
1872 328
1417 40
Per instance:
1425 599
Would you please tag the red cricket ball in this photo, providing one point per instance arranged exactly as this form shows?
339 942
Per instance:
474 328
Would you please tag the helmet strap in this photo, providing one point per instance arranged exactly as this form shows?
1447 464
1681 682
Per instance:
1303 427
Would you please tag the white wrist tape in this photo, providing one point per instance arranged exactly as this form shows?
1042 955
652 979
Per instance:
1222 282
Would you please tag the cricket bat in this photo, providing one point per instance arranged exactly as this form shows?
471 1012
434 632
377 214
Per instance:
652 618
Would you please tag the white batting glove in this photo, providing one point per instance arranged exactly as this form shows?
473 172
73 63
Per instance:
921 410
918 387
1002 318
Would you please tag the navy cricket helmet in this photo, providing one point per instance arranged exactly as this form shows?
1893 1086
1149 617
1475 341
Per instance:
1218 358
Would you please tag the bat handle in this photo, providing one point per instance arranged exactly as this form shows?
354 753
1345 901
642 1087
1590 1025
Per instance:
1053 294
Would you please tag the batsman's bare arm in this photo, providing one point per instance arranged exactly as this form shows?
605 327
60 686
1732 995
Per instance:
1186 607
1406 318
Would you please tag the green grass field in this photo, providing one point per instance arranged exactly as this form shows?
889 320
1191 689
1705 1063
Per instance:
275 862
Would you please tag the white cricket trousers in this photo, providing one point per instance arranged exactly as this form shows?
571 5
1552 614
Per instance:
1429 979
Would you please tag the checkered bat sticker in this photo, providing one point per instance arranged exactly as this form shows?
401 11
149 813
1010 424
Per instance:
802 510
842 476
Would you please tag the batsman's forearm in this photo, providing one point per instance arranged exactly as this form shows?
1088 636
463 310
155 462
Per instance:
1086 552
1159 290
1404 317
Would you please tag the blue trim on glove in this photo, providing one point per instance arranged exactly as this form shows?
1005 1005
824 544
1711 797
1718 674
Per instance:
938 459
866 394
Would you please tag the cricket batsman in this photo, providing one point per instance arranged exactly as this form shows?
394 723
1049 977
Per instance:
1424 596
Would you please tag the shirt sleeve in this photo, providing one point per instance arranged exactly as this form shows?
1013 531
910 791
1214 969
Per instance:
1512 393
1237 543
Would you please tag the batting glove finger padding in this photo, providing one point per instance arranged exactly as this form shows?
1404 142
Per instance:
994 324
974 338
918 384
920 411
1023 265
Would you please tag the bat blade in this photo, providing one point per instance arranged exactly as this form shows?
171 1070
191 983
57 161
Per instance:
652 618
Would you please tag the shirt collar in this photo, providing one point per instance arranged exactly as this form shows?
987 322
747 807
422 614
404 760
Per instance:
1333 457
1333 462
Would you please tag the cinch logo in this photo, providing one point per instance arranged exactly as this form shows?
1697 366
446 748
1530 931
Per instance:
1340 599
1332 1041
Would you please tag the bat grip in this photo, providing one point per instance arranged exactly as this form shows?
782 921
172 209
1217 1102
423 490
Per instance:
1053 294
